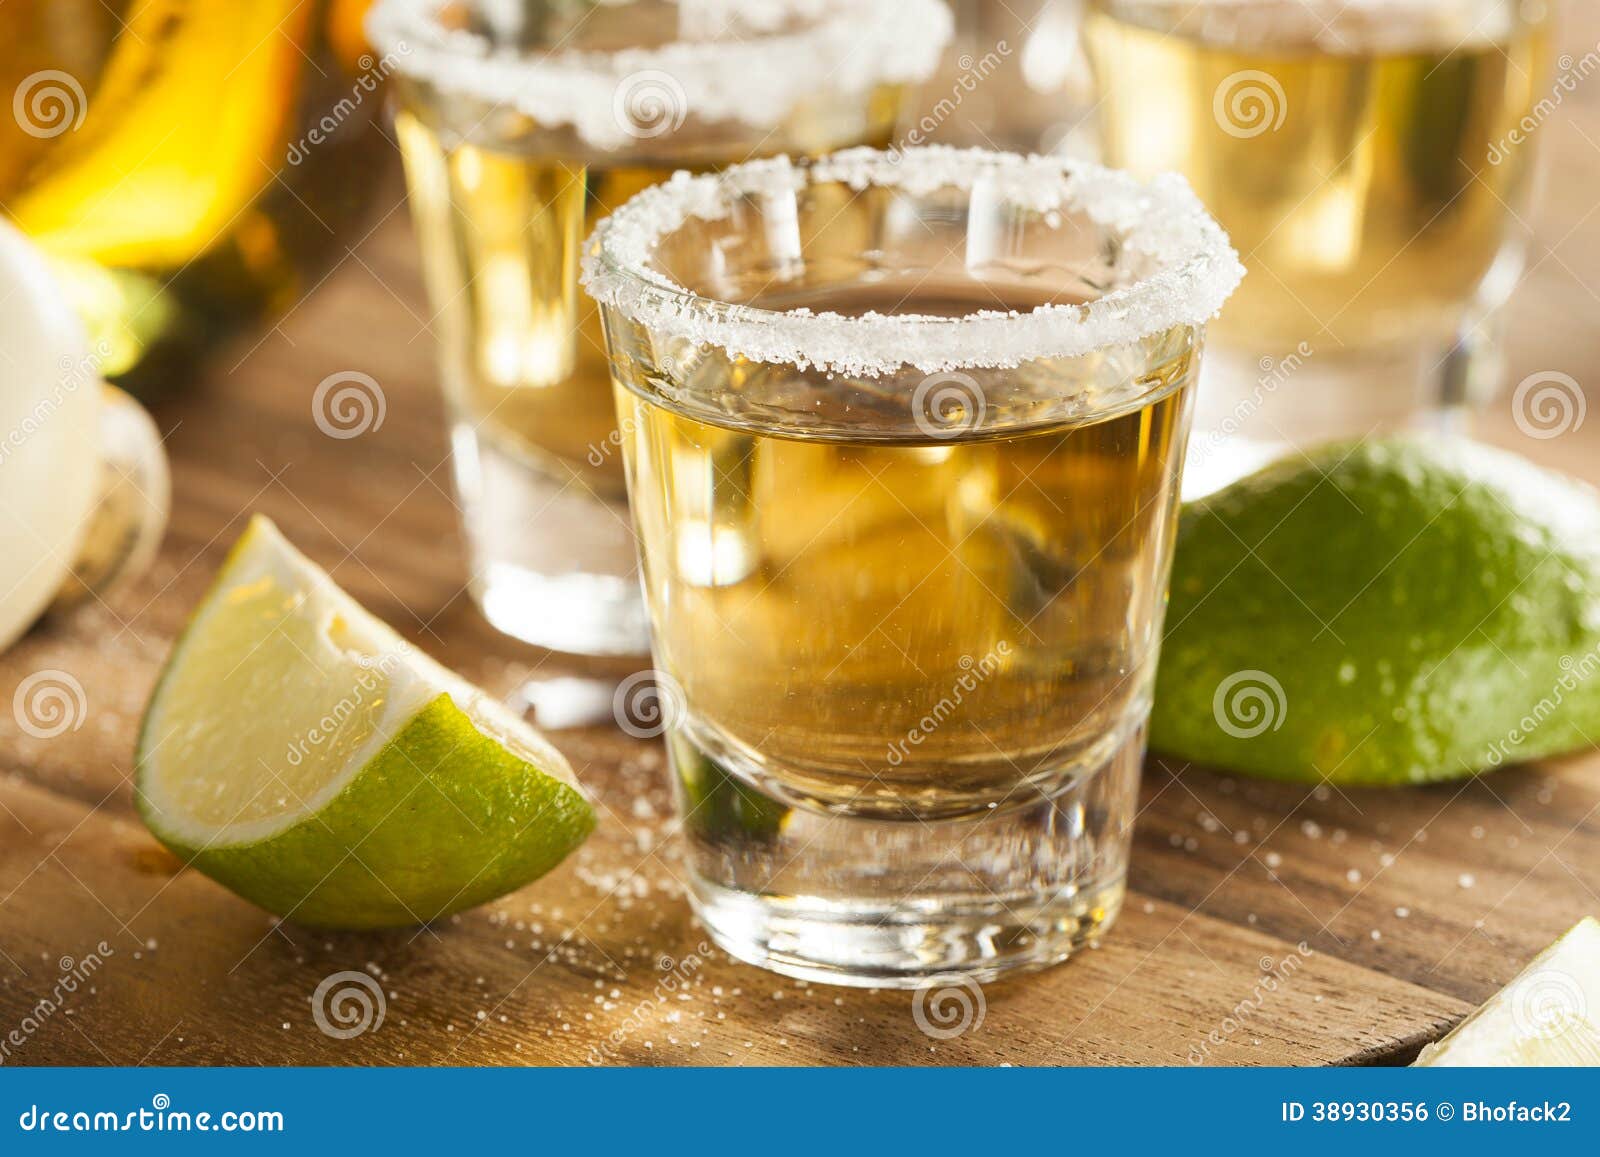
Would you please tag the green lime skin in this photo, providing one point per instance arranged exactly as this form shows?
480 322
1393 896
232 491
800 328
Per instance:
1408 610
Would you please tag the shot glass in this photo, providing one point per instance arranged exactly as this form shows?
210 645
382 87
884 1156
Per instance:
521 125
1373 163
903 435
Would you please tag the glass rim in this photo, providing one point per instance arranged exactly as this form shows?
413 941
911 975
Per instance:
1339 26
1195 268
611 97
1351 6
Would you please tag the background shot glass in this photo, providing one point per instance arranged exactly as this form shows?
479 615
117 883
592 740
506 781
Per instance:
521 126
905 550
1014 78
1362 158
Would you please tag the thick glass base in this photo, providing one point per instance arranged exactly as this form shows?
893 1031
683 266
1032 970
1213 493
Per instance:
871 902
579 614
553 563
1253 408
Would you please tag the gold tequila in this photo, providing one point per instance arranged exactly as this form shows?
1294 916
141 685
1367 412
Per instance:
904 623
1349 161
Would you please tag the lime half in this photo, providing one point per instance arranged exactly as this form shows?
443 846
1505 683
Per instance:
1395 611
300 752
1548 1016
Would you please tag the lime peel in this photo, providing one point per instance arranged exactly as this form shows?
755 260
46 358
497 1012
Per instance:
1397 611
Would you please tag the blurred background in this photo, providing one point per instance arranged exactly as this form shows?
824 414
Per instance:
194 169
161 153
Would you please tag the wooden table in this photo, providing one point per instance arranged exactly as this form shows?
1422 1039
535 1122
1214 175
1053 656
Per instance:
1396 911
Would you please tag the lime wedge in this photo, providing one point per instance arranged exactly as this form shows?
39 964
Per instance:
1548 1016
300 752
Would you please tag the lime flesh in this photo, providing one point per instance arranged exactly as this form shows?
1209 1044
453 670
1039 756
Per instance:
1548 1015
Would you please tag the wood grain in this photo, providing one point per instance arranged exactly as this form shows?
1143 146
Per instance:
1396 910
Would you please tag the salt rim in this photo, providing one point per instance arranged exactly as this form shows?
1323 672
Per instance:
1311 7
1337 25
1191 266
851 44
1368 5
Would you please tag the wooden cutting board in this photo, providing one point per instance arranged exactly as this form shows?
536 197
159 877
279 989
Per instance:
1268 924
